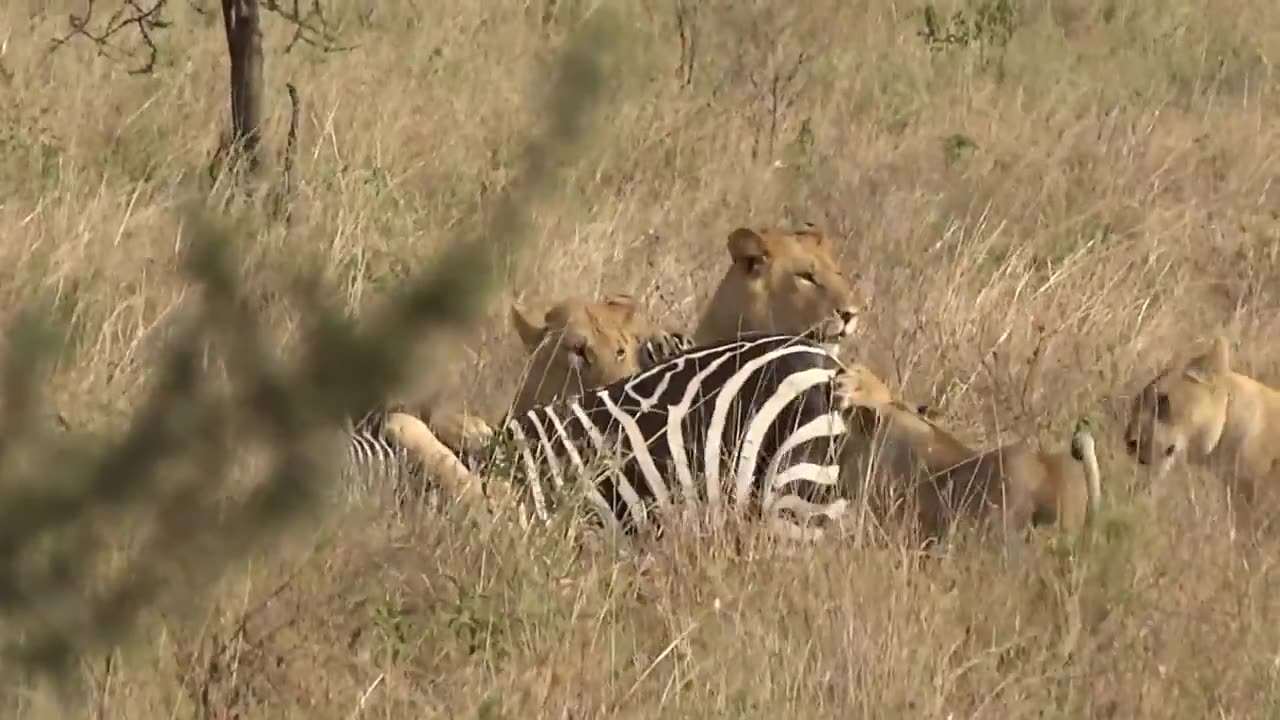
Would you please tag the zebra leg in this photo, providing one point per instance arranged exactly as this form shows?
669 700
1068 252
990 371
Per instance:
439 461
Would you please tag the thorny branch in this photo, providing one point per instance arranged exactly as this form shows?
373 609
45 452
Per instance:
145 17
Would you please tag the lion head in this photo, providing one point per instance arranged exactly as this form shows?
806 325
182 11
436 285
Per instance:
578 344
782 281
1182 410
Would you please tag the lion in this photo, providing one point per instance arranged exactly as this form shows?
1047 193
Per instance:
578 344
573 345
1212 416
895 448
782 281
778 281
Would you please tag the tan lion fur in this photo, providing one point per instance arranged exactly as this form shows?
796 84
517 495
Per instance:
778 281
573 345
781 281
578 344
439 462
895 453
1216 418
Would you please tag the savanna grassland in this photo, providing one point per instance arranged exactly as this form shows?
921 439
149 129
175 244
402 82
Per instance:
1047 200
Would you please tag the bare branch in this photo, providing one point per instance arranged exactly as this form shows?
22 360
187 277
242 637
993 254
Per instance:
144 17
139 15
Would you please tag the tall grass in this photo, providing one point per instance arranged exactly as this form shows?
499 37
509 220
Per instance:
1047 199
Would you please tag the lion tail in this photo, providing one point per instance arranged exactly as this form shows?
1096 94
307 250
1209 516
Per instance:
1082 449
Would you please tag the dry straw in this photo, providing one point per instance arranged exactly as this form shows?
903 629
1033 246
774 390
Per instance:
1046 199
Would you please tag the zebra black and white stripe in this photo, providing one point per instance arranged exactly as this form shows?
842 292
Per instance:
750 423
373 460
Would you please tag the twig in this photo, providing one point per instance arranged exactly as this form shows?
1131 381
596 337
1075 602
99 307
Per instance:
654 664
364 698
103 692
687 30
285 200
310 25
1034 364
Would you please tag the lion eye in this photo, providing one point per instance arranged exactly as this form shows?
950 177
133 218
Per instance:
807 277
621 353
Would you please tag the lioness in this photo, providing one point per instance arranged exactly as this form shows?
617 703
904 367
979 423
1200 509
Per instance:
1216 418
903 453
578 344
781 281
778 281
573 345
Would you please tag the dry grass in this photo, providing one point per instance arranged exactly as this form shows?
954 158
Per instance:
1040 221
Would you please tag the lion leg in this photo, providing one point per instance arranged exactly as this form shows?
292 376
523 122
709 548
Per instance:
857 386
460 431
439 461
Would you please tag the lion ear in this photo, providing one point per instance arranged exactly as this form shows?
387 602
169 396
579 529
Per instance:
748 248
624 305
625 310
1215 363
620 298
528 327
1197 375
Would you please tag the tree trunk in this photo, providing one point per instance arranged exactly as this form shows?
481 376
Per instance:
244 45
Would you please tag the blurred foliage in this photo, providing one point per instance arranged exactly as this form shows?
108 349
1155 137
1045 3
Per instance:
68 586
